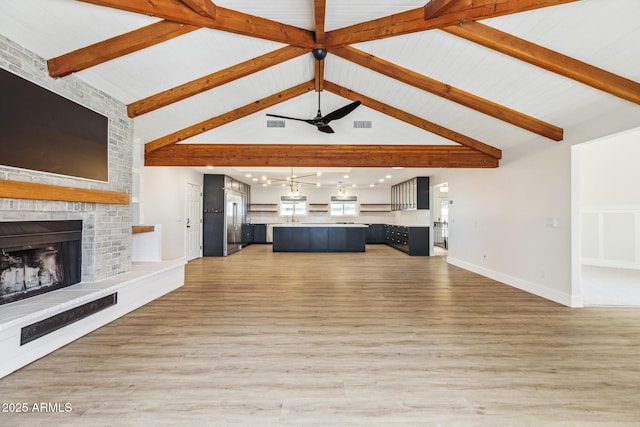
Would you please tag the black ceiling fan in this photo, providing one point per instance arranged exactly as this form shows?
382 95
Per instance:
319 121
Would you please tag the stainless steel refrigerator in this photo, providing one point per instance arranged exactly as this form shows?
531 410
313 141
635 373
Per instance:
234 218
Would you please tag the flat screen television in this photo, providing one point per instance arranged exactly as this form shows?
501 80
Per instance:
43 131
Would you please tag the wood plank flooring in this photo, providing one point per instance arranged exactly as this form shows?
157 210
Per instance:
366 339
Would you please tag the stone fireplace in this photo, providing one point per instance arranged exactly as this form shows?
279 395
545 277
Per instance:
38 257
98 239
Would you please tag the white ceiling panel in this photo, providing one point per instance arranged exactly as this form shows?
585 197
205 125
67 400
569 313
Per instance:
222 99
340 13
384 130
603 33
177 61
296 13
50 28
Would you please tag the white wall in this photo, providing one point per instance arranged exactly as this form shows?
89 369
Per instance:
163 196
382 195
513 223
610 200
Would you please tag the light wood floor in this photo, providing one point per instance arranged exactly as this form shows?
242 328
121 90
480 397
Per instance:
372 339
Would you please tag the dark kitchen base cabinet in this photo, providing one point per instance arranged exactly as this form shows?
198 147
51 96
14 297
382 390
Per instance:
259 233
319 239
376 234
247 234
411 240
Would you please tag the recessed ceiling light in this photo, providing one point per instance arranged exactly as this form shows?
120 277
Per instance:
372 185
346 176
209 167
248 175
388 176
353 185
397 167
381 180
264 178
255 179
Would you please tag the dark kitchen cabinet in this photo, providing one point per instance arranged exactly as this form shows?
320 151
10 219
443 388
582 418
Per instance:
224 215
376 233
259 233
410 195
411 240
247 234
319 239
213 227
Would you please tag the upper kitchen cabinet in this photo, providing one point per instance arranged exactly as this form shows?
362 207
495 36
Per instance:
411 194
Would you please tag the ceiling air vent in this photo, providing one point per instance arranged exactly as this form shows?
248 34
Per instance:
362 124
275 123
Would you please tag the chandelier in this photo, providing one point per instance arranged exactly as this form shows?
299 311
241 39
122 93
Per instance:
294 182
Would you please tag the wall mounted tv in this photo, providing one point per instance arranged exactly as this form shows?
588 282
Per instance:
43 131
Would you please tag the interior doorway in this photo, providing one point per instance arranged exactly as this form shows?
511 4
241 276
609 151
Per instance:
193 233
606 217
440 218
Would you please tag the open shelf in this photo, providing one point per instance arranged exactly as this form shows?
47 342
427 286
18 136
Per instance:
375 207
263 207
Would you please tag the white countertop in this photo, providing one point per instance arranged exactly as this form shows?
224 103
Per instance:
321 225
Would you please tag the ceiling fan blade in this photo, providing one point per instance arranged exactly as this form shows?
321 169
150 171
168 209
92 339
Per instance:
340 112
323 127
291 118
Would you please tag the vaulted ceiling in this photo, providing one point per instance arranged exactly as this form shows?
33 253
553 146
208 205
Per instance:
449 83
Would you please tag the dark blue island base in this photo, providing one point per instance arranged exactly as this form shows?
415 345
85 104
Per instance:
319 238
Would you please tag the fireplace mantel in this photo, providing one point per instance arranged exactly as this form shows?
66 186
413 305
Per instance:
36 191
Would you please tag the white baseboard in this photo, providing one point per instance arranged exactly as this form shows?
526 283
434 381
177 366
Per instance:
532 288
145 283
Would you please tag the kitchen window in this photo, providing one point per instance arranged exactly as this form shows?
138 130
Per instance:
344 206
293 205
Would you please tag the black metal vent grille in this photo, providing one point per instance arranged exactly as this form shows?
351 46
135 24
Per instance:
60 320
275 123
362 124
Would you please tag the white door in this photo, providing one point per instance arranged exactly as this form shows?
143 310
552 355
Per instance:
194 222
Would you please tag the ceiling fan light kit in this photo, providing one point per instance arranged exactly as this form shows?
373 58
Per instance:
319 121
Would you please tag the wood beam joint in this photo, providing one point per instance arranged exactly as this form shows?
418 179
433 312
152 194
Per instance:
202 7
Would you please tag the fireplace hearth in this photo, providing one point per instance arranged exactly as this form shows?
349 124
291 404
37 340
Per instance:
38 257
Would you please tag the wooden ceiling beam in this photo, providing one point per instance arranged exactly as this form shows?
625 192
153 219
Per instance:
213 80
319 76
414 120
429 17
320 155
226 20
202 7
115 47
466 10
450 93
228 117
320 7
547 59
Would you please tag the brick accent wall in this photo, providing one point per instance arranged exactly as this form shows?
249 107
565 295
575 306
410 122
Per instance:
106 242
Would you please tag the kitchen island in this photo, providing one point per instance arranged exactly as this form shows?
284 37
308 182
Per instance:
319 237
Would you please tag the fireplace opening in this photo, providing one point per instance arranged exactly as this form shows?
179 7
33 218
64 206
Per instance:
38 257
